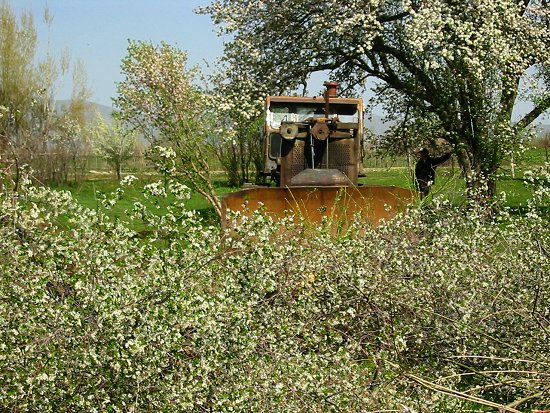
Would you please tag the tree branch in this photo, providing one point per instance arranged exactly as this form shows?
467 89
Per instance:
532 115
391 18
460 395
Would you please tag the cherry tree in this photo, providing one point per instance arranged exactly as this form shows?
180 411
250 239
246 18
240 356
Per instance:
461 64
160 98
115 142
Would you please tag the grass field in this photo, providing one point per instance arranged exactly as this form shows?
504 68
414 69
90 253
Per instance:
89 191
449 183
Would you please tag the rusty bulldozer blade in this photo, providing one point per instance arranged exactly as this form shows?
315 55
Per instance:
339 203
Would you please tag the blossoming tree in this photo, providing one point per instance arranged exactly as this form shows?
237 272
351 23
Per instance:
115 142
279 316
459 62
160 98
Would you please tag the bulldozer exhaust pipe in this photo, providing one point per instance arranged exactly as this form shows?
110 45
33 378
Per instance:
330 92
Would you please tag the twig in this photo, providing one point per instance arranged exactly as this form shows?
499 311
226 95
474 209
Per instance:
460 395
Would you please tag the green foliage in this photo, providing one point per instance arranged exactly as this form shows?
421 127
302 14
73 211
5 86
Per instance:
437 306
89 193
32 132
239 150
160 99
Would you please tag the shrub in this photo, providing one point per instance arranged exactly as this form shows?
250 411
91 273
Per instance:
440 309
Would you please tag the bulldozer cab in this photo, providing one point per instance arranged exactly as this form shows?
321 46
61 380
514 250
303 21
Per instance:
314 134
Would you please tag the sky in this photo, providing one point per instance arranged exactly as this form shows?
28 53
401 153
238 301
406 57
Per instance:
96 32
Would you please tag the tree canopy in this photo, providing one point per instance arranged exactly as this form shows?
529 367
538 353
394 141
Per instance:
32 131
160 98
460 63
115 142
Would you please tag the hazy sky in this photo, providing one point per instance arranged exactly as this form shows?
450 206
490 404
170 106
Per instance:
97 32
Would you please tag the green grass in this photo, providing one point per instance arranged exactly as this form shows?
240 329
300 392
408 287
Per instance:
386 176
88 192
449 183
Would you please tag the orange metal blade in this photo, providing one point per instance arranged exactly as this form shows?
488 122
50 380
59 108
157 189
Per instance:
373 203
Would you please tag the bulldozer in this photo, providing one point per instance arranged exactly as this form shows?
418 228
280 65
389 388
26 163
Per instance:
313 151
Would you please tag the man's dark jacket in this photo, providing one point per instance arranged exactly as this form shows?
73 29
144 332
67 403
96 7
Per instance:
425 169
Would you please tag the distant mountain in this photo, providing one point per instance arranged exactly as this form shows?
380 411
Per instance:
104 110
376 124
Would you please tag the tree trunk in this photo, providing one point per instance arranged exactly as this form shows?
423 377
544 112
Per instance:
480 180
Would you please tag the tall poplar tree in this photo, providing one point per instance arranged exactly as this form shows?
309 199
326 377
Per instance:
32 130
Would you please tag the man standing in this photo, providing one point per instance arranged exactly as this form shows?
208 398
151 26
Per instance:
424 170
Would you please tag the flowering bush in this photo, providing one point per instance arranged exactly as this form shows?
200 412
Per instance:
440 309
